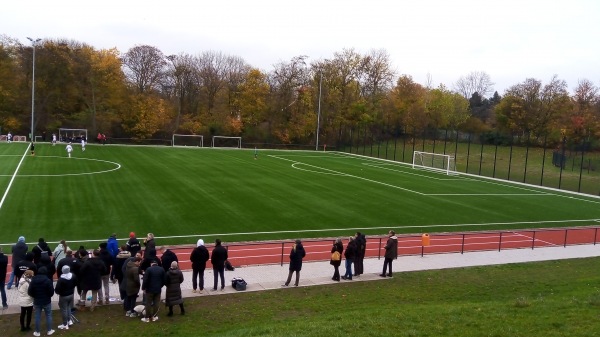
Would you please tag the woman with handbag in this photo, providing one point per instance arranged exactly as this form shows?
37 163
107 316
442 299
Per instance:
336 258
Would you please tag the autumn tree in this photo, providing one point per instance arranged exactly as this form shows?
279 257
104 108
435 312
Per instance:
146 115
408 100
584 120
529 107
475 82
144 67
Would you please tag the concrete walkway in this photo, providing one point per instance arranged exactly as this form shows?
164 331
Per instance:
266 277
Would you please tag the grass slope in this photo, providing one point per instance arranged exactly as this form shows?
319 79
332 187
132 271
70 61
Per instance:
557 298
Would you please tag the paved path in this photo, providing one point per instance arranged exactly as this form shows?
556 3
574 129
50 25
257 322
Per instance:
265 277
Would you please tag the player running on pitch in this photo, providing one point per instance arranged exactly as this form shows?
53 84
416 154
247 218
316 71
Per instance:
82 144
69 149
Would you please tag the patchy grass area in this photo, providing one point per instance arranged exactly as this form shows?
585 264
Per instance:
557 298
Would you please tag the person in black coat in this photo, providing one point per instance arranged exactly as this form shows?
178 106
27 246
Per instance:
133 244
296 255
3 268
46 262
91 274
107 258
349 254
217 259
149 244
361 249
26 264
167 258
173 280
19 250
42 289
338 246
42 246
198 257
154 280
65 289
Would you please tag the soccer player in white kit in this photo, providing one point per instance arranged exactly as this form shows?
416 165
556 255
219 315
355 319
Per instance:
53 139
69 149
82 144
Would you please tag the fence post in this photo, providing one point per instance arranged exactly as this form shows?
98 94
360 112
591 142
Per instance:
282 248
595 235
566 232
500 242
533 240
379 250
462 247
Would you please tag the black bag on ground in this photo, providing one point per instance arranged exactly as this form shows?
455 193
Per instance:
238 283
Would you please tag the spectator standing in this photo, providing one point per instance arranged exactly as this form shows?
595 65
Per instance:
391 253
46 262
107 259
25 264
198 257
217 259
349 254
42 289
149 244
361 249
167 258
296 255
132 284
25 301
116 274
112 245
338 246
18 250
71 261
65 289
60 252
133 244
91 277
3 268
42 246
154 280
173 282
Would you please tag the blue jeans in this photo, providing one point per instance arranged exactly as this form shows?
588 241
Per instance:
38 315
3 293
11 279
348 273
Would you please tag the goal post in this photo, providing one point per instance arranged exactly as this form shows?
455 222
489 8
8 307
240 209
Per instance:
226 142
187 140
72 135
434 161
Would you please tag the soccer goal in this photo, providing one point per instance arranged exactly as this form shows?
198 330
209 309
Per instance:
227 142
72 135
434 161
187 140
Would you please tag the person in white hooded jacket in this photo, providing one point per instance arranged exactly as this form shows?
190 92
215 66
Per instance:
25 301
65 289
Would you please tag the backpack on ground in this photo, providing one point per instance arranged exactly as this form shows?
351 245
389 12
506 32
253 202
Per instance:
238 283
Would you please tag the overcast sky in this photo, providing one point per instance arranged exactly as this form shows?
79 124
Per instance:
511 40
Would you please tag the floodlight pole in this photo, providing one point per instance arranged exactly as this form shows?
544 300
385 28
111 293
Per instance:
319 110
33 43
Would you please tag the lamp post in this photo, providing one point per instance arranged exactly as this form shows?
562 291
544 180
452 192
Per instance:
319 111
33 43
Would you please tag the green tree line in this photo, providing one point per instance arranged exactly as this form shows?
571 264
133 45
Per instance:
143 94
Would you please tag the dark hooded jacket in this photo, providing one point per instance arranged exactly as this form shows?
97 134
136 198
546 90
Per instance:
41 288
173 281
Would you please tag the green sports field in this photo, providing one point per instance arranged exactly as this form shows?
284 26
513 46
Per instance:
182 192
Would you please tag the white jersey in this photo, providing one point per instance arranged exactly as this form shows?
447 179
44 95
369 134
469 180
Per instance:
83 143
69 148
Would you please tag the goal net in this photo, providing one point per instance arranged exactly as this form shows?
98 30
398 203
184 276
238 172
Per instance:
434 162
187 140
72 135
227 142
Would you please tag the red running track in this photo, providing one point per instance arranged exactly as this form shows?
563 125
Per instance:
277 252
